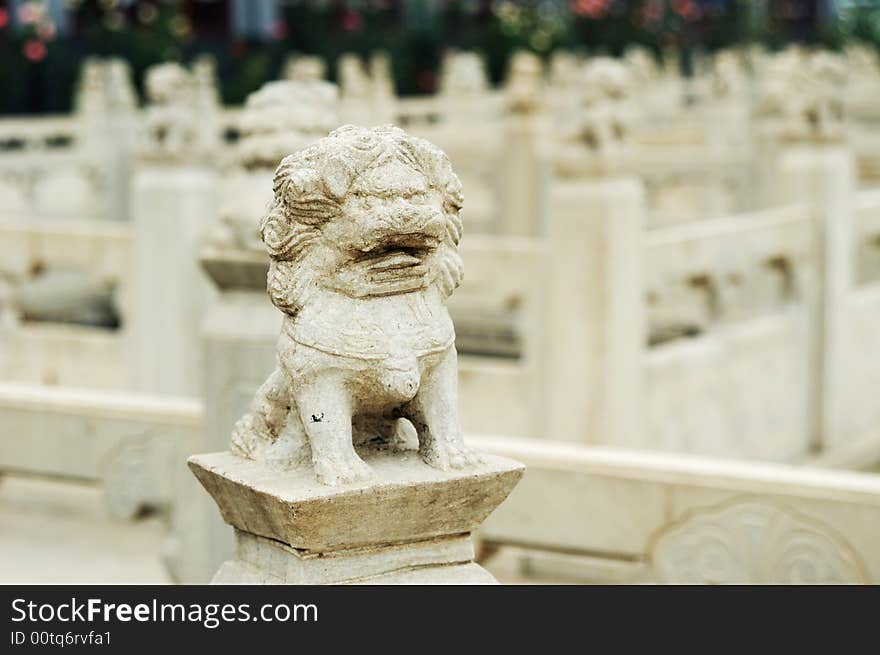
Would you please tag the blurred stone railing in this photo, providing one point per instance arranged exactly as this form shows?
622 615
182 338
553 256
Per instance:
586 513
605 515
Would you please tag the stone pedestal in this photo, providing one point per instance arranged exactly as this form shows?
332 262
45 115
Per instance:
411 524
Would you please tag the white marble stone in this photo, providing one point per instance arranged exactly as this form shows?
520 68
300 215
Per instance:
413 521
408 501
174 209
362 239
181 119
713 521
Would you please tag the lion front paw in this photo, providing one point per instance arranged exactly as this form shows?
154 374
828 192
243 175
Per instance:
449 454
342 469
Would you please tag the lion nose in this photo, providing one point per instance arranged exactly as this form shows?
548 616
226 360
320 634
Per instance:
407 216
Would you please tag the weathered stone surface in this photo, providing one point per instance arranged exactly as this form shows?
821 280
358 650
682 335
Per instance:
279 118
409 501
362 236
180 125
278 563
801 98
236 572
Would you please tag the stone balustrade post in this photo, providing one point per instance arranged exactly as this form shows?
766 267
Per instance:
595 337
175 200
525 177
823 174
173 205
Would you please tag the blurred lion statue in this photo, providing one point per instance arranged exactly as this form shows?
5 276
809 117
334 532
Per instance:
170 121
363 240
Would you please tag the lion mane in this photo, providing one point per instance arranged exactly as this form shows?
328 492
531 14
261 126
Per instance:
311 185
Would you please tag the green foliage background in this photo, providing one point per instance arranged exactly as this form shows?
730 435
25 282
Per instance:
416 38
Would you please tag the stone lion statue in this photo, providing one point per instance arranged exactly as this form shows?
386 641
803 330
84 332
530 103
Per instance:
597 132
804 93
284 116
304 68
463 74
362 236
172 126
524 82
728 75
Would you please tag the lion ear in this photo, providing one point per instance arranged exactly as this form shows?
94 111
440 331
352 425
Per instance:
275 232
454 189
336 177
299 184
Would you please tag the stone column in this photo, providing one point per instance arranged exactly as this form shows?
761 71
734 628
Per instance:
107 117
595 321
823 175
173 206
525 177
174 202
526 170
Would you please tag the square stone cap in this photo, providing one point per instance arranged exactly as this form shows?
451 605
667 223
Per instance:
406 501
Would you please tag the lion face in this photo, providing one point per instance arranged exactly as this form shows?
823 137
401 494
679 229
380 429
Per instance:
389 231
365 213
167 83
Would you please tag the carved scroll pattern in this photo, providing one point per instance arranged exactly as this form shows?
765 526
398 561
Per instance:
754 542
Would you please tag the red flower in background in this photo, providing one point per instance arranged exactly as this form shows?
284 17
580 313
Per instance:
279 30
652 11
351 20
590 8
34 50
4 18
687 9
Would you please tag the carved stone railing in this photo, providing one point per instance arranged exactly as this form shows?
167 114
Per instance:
867 236
729 304
610 516
58 167
54 352
34 133
130 443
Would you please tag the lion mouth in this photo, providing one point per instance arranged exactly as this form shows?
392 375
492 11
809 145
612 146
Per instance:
394 258
393 268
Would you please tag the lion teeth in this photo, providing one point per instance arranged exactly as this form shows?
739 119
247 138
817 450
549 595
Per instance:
395 260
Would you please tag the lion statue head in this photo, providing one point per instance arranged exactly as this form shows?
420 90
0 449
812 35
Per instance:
168 83
364 213
283 116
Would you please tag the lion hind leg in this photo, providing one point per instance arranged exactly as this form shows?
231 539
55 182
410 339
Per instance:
291 449
259 428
